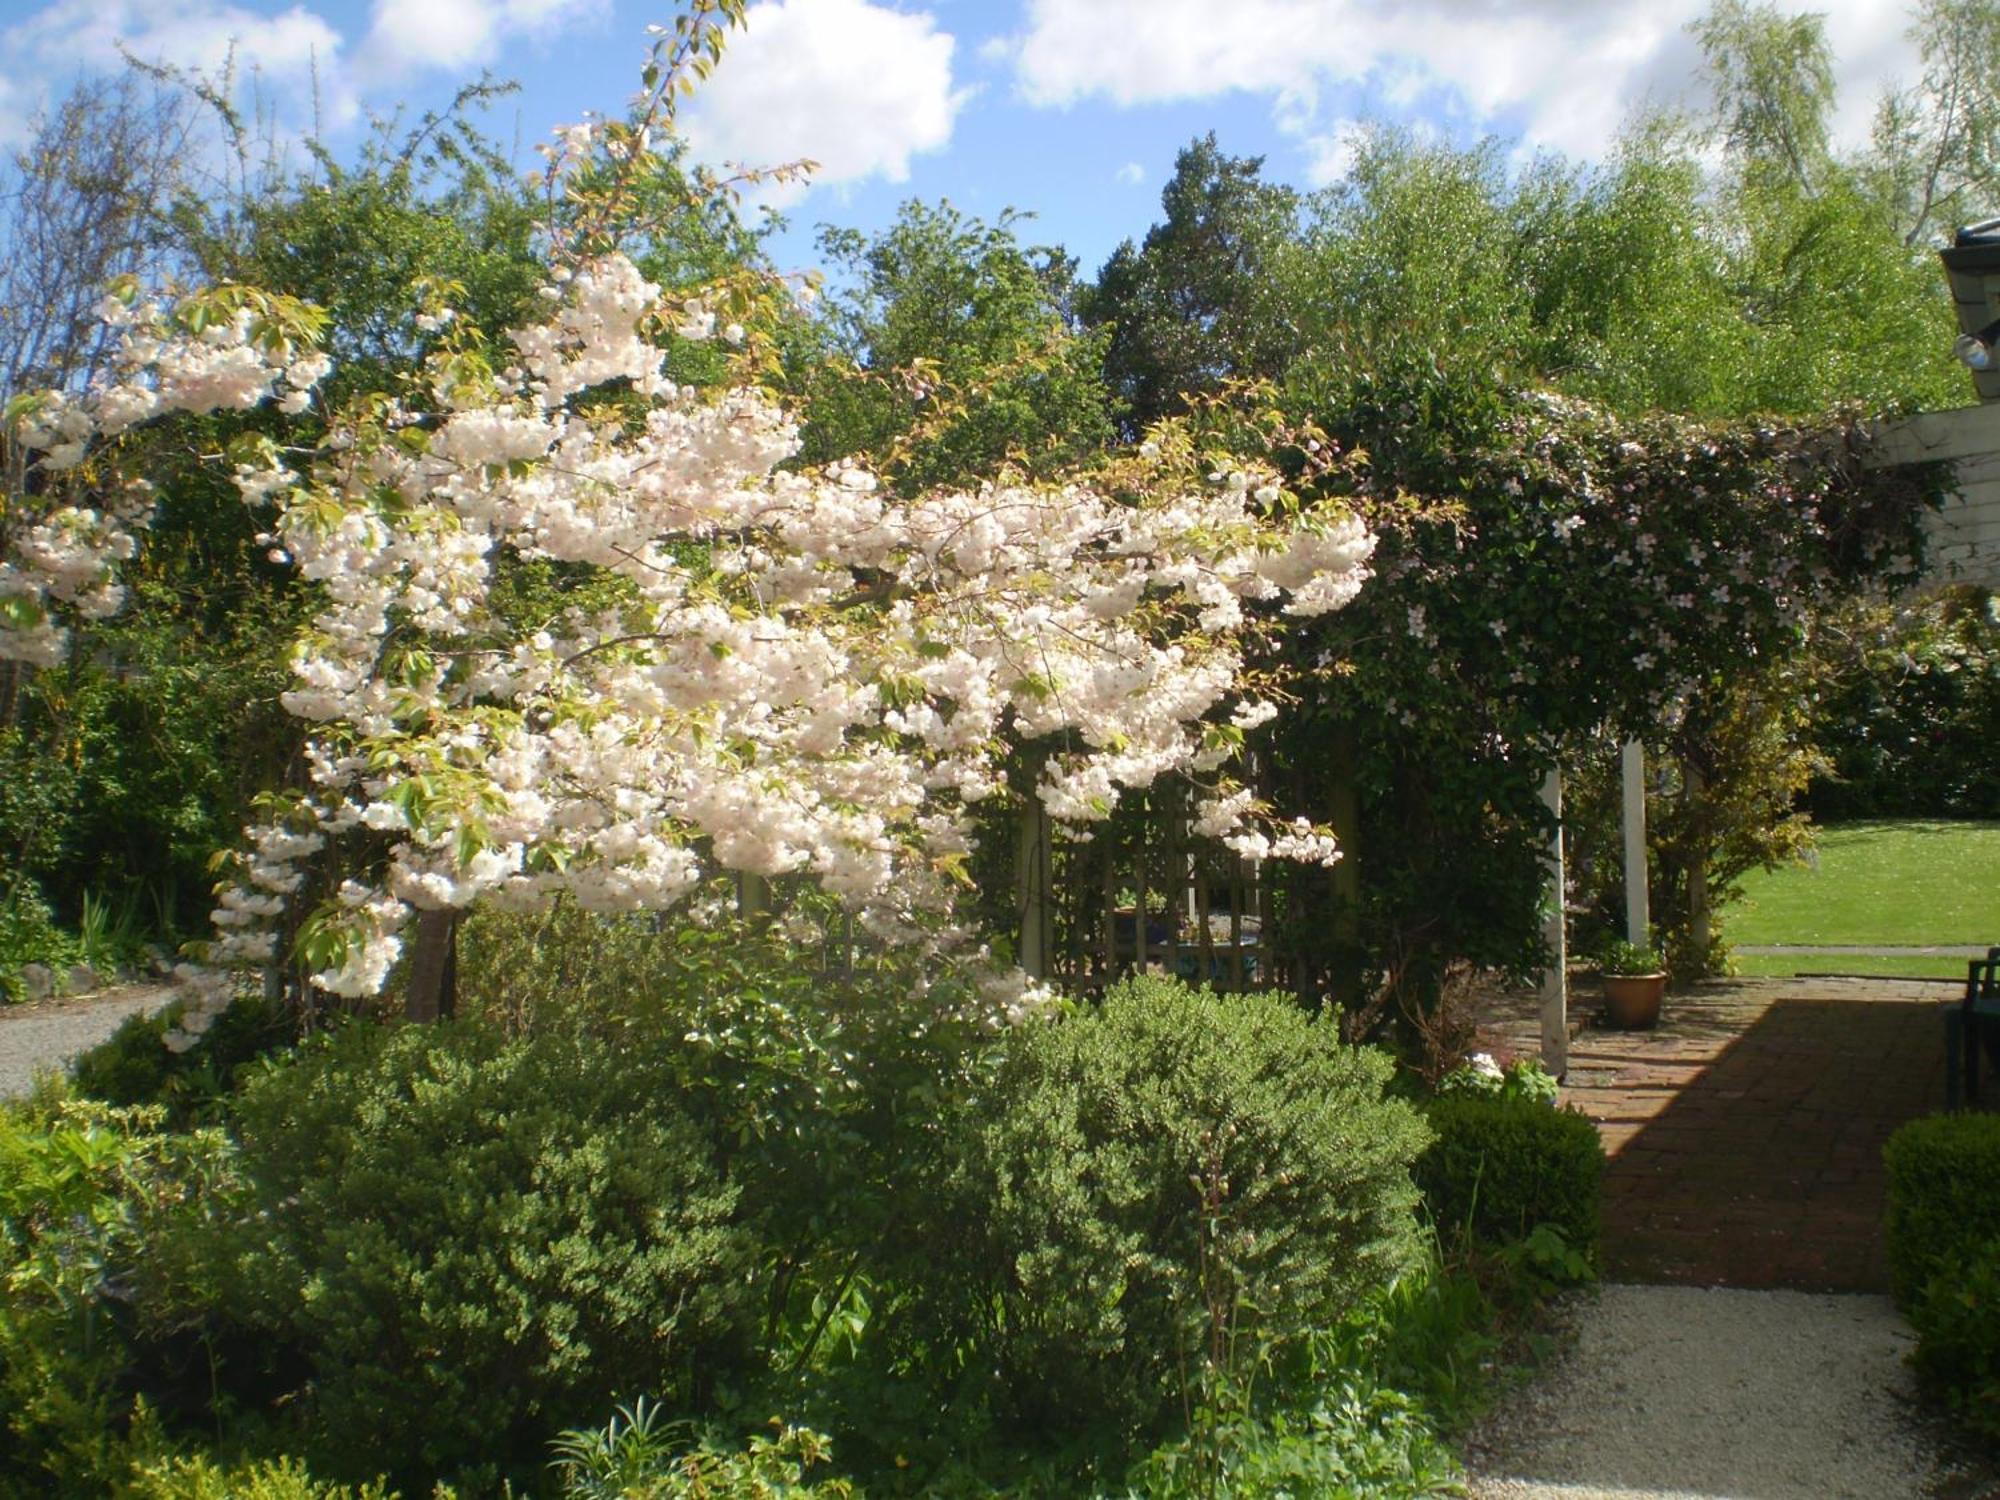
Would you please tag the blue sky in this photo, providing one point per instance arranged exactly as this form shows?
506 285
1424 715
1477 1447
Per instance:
1072 109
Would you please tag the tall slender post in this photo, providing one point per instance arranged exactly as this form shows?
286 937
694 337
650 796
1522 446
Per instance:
1109 874
1201 896
1031 887
1140 897
1267 923
1236 927
1638 906
1555 933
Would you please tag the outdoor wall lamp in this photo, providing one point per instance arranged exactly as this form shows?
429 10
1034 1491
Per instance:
1979 350
1972 265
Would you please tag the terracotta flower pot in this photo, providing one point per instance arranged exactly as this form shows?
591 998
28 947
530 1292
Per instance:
1632 1001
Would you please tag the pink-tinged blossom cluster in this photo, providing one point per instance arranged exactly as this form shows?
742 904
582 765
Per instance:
770 672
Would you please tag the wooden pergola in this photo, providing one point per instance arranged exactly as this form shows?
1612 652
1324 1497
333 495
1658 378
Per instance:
1963 543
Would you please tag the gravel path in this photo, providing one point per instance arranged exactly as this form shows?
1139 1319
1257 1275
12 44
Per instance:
1671 1393
39 1038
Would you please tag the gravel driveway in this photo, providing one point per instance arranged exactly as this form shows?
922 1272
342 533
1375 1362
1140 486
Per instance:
39 1038
1670 1393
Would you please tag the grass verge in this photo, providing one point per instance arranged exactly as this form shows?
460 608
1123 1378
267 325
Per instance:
1901 966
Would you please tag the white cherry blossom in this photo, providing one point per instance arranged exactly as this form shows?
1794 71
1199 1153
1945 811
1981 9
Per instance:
775 673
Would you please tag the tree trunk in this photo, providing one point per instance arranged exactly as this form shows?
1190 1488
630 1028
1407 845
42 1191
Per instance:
1701 924
433 986
1236 927
1203 931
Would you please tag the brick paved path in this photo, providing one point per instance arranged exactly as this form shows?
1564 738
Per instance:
1745 1134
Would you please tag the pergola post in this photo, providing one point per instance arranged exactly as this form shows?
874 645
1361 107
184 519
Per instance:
1555 934
1638 906
1031 888
753 896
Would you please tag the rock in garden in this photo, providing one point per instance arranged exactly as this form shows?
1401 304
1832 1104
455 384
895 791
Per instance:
83 979
38 981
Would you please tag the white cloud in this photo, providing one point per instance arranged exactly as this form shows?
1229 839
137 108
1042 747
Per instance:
1131 173
187 33
298 58
857 87
15 107
294 55
406 36
1330 154
446 33
1565 73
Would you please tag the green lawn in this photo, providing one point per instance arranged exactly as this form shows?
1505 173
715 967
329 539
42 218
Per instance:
1895 884
1785 965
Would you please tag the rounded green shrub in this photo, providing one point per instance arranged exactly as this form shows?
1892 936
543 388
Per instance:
1502 1164
465 1242
1174 1182
1944 1196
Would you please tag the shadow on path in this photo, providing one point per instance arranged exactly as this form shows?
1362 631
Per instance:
1745 1133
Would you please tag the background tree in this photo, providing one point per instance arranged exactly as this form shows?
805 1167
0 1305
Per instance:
1908 713
82 202
1936 159
1193 305
949 348
1772 76
1427 297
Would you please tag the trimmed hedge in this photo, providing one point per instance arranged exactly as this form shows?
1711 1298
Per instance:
1944 1255
1957 1319
1944 1196
1503 1164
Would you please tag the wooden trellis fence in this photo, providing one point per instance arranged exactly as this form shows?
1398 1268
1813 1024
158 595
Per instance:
1141 894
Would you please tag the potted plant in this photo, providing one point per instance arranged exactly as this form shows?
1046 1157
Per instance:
1634 979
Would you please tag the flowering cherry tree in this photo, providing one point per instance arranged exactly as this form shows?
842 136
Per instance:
756 670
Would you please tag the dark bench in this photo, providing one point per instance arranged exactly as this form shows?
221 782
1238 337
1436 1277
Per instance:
1970 1027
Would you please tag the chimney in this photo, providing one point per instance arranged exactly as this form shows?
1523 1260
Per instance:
1972 262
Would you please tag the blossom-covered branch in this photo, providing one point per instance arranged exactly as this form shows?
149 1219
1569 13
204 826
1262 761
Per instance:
771 672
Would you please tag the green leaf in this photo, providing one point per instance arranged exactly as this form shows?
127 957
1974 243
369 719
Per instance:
20 612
